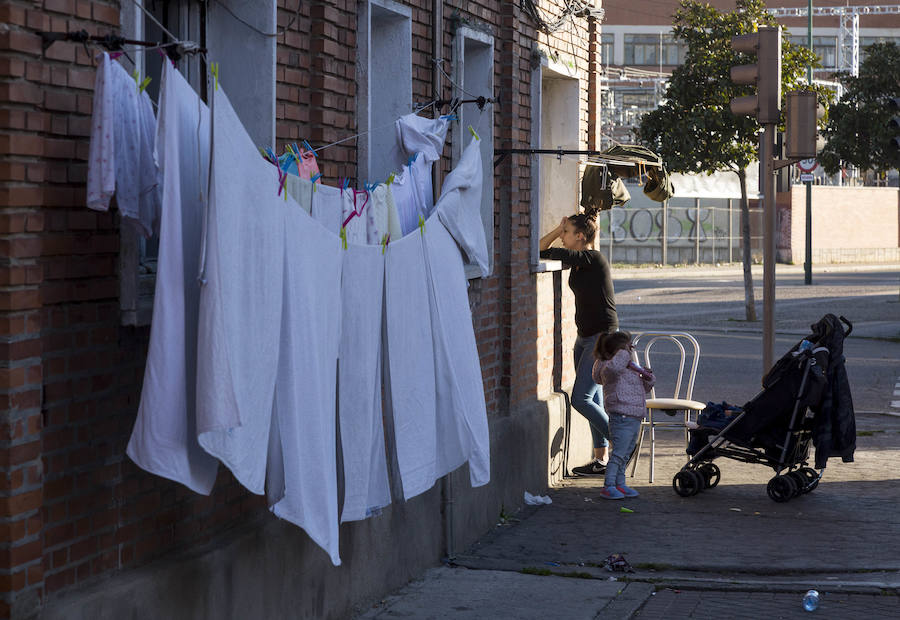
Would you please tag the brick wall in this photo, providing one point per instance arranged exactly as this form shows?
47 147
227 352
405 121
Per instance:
74 507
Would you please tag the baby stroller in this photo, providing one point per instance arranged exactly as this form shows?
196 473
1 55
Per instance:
805 397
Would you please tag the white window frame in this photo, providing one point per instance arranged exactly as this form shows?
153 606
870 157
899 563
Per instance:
384 77
249 67
472 75
548 69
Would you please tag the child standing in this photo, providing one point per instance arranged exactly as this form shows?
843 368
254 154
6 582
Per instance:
625 385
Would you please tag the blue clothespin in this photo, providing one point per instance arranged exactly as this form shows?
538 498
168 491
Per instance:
346 183
309 149
450 117
315 177
412 158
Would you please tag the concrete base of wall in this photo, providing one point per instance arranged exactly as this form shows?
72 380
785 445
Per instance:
273 569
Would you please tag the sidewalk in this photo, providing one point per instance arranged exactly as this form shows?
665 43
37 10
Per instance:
729 552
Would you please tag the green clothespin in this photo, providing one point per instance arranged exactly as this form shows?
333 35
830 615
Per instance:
390 179
343 237
214 70
384 241
143 85
421 224
475 135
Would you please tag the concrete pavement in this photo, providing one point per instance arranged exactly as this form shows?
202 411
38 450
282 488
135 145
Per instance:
729 552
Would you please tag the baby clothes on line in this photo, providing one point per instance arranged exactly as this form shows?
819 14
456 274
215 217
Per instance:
356 204
241 300
121 157
164 438
366 486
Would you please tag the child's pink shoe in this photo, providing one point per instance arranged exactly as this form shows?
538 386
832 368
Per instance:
611 493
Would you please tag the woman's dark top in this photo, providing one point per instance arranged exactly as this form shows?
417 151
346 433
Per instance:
591 282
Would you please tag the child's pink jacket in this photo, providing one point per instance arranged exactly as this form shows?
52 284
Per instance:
623 388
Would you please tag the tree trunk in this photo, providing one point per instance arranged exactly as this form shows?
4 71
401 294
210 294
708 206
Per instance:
749 304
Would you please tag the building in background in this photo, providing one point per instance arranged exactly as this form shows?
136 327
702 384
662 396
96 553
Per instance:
639 52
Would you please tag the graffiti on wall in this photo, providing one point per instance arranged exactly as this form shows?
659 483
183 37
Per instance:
645 224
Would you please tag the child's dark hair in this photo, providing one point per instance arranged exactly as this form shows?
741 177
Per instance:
586 224
608 344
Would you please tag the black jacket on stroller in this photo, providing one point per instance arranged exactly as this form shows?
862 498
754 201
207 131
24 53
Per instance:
834 431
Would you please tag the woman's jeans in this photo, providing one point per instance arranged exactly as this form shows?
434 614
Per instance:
587 396
624 430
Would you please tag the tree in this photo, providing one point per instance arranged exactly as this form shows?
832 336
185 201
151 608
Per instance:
694 129
857 130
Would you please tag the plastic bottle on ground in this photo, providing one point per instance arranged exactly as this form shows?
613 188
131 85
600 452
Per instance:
811 600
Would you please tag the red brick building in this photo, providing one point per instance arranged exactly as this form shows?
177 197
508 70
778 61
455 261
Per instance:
87 533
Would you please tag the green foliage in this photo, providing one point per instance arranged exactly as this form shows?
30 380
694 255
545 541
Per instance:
694 129
857 130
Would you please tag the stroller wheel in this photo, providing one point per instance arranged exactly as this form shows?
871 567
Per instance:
711 474
687 483
781 488
799 482
812 478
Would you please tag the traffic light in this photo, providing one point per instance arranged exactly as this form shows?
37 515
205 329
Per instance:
765 105
801 111
894 123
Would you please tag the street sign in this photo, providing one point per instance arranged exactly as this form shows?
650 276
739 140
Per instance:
807 165
807 178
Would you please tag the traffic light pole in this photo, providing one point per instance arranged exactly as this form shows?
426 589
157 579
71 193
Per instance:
767 173
807 263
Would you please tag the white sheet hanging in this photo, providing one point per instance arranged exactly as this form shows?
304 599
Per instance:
241 302
411 363
164 438
305 424
458 379
366 487
327 206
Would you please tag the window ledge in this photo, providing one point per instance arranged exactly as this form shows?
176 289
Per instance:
546 265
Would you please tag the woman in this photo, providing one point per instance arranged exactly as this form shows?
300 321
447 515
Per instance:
595 314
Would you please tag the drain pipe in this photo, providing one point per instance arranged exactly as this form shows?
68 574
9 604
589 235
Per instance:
437 177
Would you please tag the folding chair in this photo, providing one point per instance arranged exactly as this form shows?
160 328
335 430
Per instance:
669 406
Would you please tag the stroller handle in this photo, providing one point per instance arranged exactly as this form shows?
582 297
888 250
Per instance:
848 323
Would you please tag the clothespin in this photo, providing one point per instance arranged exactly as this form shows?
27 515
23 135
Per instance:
272 156
214 70
315 177
450 117
385 239
412 158
421 224
390 179
346 182
308 148
343 236
475 135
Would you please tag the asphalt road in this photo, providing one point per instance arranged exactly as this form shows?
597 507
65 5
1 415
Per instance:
711 307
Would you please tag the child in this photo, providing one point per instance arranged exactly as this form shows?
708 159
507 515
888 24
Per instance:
624 387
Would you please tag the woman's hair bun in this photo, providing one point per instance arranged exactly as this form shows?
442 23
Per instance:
591 213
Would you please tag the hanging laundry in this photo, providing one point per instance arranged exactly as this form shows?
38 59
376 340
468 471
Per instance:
355 207
327 205
121 153
164 438
366 486
377 215
460 387
410 353
394 229
304 418
300 190
241 300
412 193
417 134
